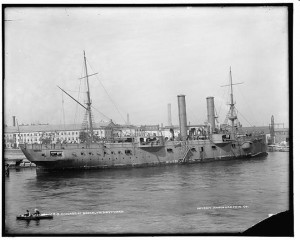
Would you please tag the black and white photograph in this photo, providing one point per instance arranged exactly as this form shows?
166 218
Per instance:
147 120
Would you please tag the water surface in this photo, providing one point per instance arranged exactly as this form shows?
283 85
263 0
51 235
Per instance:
154 200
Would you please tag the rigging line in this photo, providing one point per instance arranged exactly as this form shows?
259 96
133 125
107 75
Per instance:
247 105
244 118
100 113
75 118
63 110
72 98
75 91
221 105
113 102
108 94
193 115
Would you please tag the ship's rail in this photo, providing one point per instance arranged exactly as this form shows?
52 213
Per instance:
251 137
55 146
157 141
151 144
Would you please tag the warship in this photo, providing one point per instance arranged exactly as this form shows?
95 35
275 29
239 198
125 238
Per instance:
208 143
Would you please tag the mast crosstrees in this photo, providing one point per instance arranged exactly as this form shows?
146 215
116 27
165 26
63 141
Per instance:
232 116
88 103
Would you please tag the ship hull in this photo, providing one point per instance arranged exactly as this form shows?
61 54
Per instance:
44 168
129 155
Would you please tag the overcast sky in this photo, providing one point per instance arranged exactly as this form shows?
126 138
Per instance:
144 58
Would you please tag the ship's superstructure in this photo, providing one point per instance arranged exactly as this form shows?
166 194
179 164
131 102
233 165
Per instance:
204 144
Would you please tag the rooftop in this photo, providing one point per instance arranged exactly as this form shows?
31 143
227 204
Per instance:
50 128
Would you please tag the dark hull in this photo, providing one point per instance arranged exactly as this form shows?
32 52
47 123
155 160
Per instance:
132 155
43 169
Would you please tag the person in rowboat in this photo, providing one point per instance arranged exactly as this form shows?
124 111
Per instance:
36 212
27 214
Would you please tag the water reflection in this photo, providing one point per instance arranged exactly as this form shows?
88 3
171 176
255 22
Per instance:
147 172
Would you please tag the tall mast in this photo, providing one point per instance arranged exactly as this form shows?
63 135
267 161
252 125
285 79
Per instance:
88 98
232 116
231 92
19 133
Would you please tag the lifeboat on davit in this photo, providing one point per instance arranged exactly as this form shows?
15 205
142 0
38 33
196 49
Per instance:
246 145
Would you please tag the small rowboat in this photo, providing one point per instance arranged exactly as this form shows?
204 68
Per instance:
35 217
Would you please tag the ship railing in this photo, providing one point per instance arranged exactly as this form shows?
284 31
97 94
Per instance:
40 146
151 142
251 137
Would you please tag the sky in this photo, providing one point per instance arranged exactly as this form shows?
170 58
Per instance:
145 57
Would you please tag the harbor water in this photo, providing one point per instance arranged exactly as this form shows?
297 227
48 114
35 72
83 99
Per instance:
214 197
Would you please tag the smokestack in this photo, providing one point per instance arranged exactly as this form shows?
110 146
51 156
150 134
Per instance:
14 121
128 123
272 130
169 115
182 116
211 112
172 133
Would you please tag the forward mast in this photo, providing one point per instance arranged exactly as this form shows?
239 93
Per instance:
89 103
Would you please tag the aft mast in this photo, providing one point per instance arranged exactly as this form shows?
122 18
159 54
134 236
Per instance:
232 116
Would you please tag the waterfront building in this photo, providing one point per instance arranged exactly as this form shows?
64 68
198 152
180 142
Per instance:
60 133
278 133
70 133
281 135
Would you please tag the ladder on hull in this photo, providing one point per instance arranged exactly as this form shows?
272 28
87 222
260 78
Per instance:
186 155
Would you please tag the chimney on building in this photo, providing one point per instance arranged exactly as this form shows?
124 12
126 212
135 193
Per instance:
128 122
272 130
182 116
211 112
14 121
169 115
